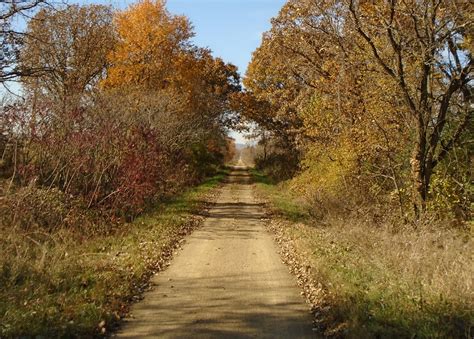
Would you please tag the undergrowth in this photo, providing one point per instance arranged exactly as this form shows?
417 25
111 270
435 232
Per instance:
284 203
56 284
380 280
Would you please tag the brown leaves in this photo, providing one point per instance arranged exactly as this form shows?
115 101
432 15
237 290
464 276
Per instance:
70 45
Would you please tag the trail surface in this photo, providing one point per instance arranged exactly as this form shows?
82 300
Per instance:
227 282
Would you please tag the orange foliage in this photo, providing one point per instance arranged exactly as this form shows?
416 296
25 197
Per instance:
151 45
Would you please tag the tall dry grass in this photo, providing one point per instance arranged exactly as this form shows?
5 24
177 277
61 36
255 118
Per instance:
61 279
379 277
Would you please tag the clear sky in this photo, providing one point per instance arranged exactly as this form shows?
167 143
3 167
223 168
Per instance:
231 28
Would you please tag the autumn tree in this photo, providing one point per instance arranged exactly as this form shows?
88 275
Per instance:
355 80
270 100
151 42
425 49
272 89
298 57
70 47
154 55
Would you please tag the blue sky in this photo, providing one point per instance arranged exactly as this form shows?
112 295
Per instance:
231 28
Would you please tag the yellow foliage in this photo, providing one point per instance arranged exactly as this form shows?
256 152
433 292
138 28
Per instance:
326 172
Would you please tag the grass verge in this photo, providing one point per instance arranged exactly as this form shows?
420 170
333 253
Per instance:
283 202
368 281
52 285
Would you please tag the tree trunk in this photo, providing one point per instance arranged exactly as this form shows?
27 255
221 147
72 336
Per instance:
420 175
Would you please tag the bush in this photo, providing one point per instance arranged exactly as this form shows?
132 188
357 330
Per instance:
277 165
37 209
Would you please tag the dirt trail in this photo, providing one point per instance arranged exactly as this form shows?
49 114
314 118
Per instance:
227 282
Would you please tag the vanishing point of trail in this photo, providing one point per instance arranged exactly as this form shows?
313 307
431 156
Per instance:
227 282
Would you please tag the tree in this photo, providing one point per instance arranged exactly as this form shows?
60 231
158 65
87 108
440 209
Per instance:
154 57
70 47
424 48
296 61
372 77
273 89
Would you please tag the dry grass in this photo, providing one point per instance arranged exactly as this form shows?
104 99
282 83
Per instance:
56 283
381 280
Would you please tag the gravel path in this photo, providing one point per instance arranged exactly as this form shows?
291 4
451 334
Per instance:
227 281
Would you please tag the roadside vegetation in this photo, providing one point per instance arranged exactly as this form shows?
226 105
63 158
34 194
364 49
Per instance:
362 110
365 115
376 280
115 115
68 282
